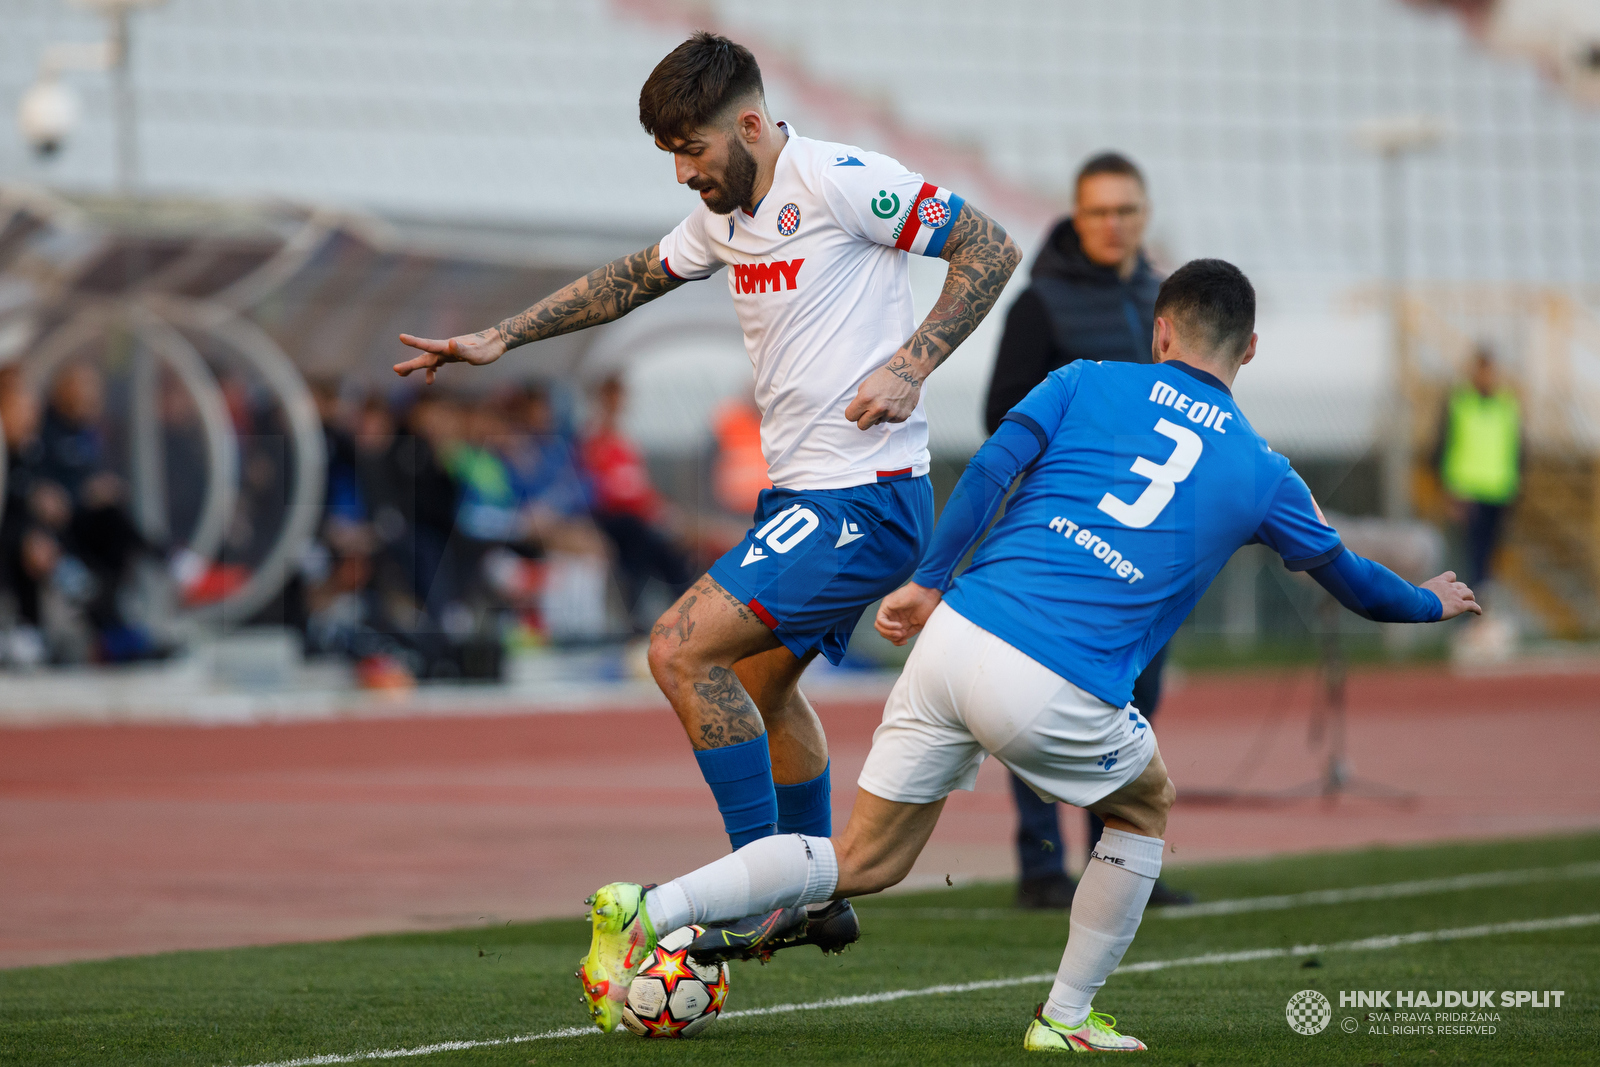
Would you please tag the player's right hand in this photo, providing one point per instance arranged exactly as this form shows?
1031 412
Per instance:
1454 596
478 349
904 612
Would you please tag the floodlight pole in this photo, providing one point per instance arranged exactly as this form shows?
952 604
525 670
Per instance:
127 146
1393 139
1397 446
112 56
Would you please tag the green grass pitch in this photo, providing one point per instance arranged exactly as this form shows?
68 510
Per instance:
265 1005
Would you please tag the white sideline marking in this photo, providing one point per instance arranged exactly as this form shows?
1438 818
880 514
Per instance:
1366 944
1381 892
1423 887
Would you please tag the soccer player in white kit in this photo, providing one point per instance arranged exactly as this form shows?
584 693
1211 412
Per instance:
815 237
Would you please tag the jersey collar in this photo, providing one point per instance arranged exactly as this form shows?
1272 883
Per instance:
1199 375
789 133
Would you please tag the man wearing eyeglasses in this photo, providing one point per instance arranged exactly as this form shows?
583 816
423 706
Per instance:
1092 296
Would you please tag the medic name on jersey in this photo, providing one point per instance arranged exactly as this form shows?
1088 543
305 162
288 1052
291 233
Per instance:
1199 412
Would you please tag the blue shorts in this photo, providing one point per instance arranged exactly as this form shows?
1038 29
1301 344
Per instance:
815 558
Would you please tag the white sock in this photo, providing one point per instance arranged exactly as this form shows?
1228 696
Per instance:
1106 910
775 872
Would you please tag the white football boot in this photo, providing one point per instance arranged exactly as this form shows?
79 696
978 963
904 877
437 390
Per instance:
1097 1034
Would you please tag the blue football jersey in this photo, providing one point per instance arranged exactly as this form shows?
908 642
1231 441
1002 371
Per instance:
1150 477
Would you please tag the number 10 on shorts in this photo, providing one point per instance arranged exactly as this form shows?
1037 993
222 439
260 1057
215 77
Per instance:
788 528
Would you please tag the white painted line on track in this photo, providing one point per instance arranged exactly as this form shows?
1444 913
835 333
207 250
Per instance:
1423 887
1366 944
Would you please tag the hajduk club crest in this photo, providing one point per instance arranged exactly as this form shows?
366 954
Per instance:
933 212
789 219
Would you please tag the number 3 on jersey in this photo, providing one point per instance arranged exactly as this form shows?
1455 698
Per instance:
1164 479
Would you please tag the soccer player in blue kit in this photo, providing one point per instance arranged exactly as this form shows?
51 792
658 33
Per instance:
816 237
1140 481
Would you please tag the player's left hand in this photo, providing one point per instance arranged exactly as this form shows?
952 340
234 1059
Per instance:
904 612
1454 597
889 394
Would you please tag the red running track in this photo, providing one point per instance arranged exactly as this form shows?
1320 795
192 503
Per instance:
129 839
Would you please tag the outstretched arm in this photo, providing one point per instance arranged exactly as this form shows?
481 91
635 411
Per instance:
982 257
602 295
1373 591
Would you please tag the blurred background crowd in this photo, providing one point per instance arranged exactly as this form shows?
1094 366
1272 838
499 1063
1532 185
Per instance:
453 526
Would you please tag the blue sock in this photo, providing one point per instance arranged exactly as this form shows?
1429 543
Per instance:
740 777
807 808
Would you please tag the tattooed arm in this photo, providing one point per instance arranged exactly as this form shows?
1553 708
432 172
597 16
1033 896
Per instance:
601 296
982 257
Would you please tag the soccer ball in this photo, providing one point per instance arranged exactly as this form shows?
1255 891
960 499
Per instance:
672 995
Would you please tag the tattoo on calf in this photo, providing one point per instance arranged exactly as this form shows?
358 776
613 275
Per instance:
728 715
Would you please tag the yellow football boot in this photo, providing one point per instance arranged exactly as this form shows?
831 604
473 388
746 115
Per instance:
621 942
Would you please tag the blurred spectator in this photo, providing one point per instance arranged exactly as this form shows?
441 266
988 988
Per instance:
739 470
383 484
426 496
524 545
627 506
36 515
1479 459
550 493
342 499
1091 295
100 534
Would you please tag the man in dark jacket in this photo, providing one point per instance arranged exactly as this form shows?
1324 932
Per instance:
1092 296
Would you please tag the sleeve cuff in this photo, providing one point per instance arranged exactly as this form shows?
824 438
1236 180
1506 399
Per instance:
668 268
1030 425
1315 561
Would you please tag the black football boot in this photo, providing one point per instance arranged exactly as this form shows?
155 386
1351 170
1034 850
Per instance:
831 929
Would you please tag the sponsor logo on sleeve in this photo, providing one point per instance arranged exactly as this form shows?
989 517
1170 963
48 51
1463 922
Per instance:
847 161
886 205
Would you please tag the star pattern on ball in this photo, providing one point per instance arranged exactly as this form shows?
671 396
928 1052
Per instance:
666 1026
671 966
719 993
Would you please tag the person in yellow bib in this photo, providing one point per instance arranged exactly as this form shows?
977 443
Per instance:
1480 458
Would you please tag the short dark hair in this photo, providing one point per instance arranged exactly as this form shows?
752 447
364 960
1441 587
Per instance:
694 85
1108 163
1213 296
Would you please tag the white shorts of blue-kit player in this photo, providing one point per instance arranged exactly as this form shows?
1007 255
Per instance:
965 693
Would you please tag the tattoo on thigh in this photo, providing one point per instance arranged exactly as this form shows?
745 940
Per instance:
728 715
707 585
683 627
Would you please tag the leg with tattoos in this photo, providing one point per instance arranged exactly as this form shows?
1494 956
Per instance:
710 653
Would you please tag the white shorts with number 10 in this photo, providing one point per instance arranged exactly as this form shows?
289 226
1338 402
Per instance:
965 693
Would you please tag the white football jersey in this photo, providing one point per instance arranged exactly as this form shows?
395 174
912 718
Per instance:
823 291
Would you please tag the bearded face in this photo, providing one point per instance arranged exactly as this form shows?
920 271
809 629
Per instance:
734 186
